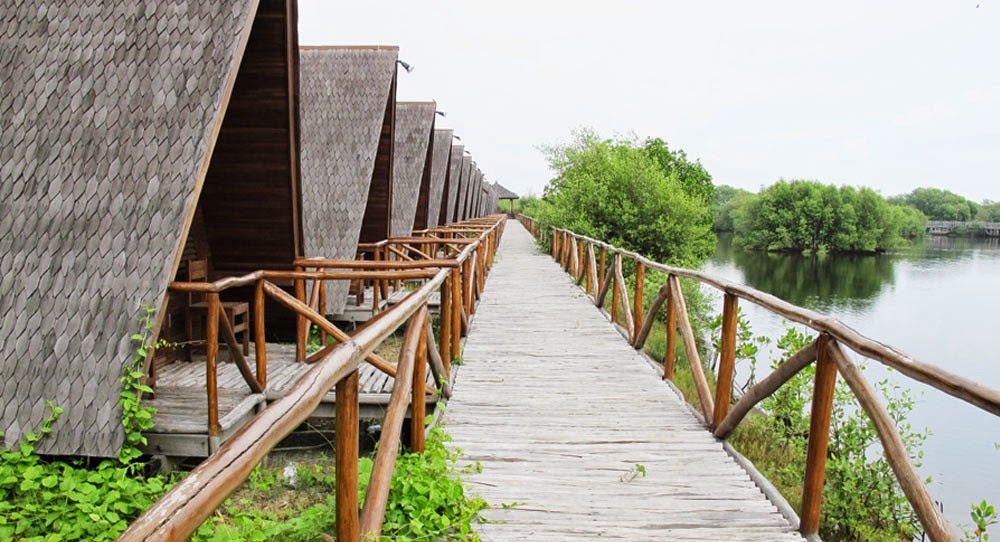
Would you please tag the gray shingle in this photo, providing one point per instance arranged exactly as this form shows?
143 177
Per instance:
107 112
439 170
414 122
454 180
343 95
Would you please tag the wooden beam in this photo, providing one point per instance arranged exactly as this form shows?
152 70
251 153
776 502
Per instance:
727 359
819 437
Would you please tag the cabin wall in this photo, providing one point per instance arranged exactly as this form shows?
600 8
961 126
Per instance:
250 200
378 210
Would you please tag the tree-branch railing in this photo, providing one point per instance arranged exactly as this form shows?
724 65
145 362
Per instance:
186 506
586 261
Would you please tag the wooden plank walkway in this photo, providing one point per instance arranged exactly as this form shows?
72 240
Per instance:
559 410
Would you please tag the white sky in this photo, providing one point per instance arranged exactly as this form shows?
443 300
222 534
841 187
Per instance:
892 95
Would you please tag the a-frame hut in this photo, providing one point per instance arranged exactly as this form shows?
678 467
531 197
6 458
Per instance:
461 212
123 127
412 170
439 180
453 186
348 111
502 193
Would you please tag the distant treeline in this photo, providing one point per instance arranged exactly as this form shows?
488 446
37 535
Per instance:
809 216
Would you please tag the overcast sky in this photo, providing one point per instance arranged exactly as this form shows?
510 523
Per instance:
892 95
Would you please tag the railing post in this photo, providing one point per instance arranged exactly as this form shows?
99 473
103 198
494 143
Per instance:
348 524
418 397
638 309
260 339
211 365
670 356
301 324
819 437
456 316
604 263
446 320
727 359
614 293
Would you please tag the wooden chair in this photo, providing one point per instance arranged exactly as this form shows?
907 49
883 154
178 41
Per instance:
237 312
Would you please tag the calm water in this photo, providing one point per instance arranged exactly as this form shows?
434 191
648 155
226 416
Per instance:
938 302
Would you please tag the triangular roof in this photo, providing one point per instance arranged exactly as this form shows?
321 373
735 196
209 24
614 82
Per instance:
465 180
454 182
414 130
439 174
105 136
345 93
504 193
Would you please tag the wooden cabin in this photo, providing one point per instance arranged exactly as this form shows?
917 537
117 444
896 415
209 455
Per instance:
453 185
412 165
461 210
134 137
348 112
436 201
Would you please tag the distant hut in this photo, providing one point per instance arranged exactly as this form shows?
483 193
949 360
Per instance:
132 137
439 180
412 169
461 211
505 194
453 185
348 113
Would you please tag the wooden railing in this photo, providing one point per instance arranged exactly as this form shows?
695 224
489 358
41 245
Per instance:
182 510
597 267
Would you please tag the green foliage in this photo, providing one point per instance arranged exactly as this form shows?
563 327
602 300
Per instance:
861 498
633 195
802 215
69 500
727 200
937 204
136 417
426 501
989 211
983 517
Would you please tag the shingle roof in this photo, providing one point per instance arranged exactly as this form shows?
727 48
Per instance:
439 170
463 196
414 123
343 96
503 193
106 116
454 180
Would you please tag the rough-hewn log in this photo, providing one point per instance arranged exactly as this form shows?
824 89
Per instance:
691 348
236 351
765 388
623 294
260 339
437 365
933 522
819 437
346 457
670 355
650 318
727 359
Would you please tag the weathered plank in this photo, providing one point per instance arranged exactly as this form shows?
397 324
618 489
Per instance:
559 410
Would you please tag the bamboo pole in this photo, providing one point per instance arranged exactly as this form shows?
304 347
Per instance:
819 437
933 522
727 359
691 349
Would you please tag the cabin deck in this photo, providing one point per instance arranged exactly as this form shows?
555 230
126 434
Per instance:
181 419
562 414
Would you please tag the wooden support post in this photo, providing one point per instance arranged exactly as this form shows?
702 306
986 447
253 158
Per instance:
727 359
604 262
614 289
260 339
637 304
323 336
348 524
456 317
691 350
446 321
819 437
623 296
301 324
670 355
419 397
592 285
211 363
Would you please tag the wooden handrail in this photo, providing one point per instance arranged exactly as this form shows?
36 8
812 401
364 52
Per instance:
826 351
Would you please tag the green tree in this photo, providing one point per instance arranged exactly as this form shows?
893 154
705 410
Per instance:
989 211
938 204
632 195
727 200
805 215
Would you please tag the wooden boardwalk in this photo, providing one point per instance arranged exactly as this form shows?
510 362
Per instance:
562 413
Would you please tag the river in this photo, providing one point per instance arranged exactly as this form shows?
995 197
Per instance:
938 301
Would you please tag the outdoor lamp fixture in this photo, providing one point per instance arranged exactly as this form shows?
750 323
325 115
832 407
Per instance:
405 65
456 137
442 113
